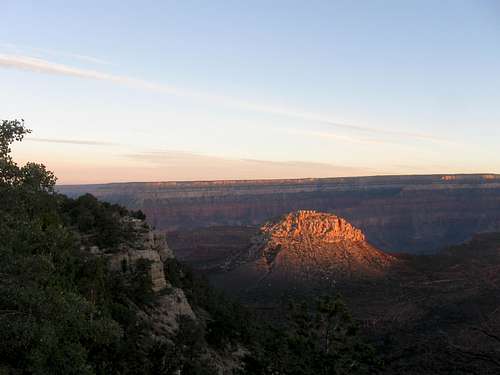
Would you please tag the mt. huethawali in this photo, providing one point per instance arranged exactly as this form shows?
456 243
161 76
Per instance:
302 250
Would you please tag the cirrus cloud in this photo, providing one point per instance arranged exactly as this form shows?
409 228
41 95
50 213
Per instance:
38 65
71 141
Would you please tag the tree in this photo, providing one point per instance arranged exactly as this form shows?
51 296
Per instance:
319 337
10 131
47 324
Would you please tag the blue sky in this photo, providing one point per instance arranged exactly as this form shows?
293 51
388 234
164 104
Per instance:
184 90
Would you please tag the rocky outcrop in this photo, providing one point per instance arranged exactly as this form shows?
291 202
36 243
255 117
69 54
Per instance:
308 243
397 213
323 227
166 312
303 250
129 258
149 245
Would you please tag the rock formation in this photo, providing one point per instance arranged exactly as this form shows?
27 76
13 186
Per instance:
304 249
320 226
149 245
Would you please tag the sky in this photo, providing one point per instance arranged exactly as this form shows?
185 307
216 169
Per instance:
119 91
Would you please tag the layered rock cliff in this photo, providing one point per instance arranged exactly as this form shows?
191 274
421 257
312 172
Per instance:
397 213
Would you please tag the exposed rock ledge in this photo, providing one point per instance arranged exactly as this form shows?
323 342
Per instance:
150 245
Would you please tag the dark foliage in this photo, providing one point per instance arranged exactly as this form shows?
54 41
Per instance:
318 337
61 311
229 323
100 223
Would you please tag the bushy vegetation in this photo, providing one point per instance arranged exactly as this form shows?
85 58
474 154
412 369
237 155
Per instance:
99 223
316 336
62 311
229 323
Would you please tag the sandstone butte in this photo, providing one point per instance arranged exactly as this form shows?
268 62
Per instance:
305 249
320 226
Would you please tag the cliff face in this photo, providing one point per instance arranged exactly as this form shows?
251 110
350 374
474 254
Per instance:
304 250
397 213
151 246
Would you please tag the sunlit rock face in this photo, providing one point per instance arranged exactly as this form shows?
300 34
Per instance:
303 250
323 227
310 244
411 214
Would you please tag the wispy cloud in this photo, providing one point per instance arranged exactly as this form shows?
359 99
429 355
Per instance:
192 166
53 52
187 166
413 135
335 136
47 67
90 59
71 141
44 66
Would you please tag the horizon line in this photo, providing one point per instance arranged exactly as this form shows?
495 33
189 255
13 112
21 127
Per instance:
485 176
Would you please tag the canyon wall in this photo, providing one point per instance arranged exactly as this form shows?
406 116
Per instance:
397 213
